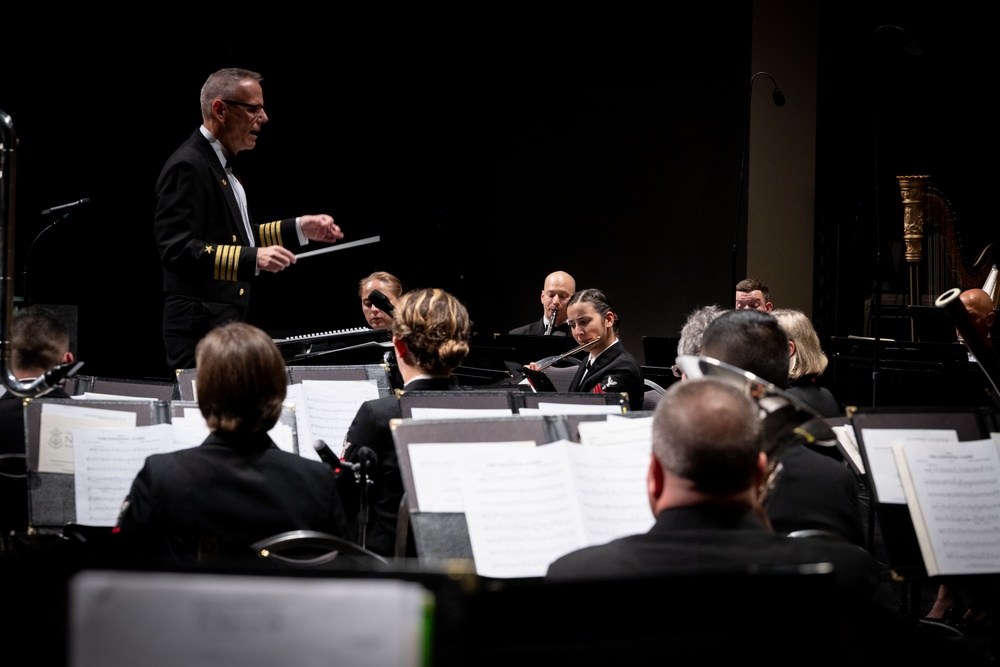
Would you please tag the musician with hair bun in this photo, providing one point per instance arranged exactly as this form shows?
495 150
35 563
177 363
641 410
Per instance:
609 368
430 335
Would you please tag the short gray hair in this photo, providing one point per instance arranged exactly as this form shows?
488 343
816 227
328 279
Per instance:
710 433
697 321
222 84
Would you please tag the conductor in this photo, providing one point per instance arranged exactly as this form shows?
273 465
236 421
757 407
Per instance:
209 247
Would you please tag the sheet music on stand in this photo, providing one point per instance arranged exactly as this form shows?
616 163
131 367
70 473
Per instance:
876 429
437 456
953 493
49 428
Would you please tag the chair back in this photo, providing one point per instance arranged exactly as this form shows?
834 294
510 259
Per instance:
311 548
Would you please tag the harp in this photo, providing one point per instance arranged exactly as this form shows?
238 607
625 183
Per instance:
933 247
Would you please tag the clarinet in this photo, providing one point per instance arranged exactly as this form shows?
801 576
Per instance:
551 324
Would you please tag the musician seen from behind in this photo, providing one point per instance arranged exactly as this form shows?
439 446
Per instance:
389 286
703 483
430 334
209 245
979 306
608 368
807 362
237 487
558 287
38 341
753 294
815 489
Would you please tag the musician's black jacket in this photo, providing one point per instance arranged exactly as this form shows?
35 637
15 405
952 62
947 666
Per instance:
230 491
614 371
370 428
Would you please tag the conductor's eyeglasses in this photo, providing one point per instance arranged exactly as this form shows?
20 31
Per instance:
254 109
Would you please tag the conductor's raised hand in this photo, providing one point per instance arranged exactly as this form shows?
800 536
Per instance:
320 228
274 258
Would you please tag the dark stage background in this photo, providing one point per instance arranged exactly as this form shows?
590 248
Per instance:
484 154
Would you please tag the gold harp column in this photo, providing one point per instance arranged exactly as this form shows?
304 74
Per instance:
913 190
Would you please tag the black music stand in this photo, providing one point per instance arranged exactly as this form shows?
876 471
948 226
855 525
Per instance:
659 350
52 495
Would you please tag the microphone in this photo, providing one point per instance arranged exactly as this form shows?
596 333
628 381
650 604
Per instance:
327 456
368 460
382 301
551 325
69 205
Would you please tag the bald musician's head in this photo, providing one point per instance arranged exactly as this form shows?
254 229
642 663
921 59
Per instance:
707 437
979 305
558 288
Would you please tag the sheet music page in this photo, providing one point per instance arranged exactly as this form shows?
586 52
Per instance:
881 464
953 492
439 467
87 395
330 407
611 483
576 409
107 461
617 432
459 413
522 510
56 432
849 445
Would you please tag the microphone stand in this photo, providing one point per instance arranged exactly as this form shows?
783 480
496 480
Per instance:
778 97
63 217
365 481
27 257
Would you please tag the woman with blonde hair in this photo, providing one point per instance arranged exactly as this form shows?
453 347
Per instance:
807 363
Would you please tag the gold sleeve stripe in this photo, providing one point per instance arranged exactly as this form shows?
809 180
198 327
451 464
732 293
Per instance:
270 233
227 258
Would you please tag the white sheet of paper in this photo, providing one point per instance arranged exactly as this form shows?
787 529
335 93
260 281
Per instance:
330 407
611 482
529 507
881 464
459 413
55 432
111 397
523 512
438 469
617 431
955 493
576 409
846 437
107 461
